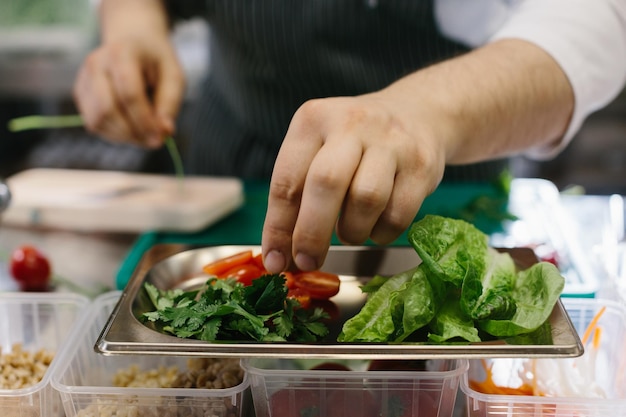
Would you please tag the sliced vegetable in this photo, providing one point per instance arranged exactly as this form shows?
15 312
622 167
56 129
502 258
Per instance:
320 285
220 266
244 273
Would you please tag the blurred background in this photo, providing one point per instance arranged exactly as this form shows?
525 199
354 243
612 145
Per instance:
43 42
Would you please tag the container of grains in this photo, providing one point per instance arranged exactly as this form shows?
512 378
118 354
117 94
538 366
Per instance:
91 384
34 327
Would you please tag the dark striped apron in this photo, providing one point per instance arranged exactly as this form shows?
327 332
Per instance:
267 57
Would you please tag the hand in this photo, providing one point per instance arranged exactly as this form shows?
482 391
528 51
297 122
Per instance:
131 87
349 164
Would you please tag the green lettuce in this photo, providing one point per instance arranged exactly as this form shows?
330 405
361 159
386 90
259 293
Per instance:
461 290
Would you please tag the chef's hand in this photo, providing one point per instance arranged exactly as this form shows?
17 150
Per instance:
131 87
348 164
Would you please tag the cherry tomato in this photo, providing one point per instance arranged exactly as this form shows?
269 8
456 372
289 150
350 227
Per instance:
244 273
295 403
258 261
303 297
321 285
30 268
220 266
290 280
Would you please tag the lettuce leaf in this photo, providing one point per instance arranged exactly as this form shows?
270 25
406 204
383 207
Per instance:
375 321
536 291
490 295
461 287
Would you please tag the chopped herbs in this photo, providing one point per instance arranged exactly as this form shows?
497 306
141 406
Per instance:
227 310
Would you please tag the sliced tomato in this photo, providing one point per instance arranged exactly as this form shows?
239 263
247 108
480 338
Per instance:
244 273
303 297
258 261
290 280
222 265
321 285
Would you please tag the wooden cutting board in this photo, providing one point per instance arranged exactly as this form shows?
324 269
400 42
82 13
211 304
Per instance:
116 201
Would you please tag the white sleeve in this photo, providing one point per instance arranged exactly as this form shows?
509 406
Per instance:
587 38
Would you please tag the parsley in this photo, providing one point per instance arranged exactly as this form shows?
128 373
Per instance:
227 310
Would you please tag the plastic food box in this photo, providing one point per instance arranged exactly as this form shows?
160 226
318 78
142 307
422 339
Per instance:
34 323
282 387
581 382
85 380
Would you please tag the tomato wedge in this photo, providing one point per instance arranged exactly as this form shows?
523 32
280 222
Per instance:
222 265
303 297
244 273
321 285
258 261
290 280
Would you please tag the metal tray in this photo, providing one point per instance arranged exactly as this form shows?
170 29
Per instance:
169 266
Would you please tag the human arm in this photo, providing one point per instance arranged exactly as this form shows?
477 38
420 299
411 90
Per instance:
374 158
587 41
130 88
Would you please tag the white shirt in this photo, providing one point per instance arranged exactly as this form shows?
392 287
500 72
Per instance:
587 38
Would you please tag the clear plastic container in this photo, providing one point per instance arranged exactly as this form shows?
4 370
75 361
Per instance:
291 388
85 380
38 324
591 385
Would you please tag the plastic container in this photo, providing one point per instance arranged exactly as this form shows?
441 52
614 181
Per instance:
591 385
85 380
290 388
34 322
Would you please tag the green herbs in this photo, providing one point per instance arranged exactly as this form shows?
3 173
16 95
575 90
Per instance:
226 310
20 124
463 290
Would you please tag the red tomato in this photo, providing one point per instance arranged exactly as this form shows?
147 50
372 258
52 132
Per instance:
321 285
30 268
295 403
290 280
220 266
258 261
303 297
243 273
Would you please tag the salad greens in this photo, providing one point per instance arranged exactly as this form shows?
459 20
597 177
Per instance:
463 290
225 309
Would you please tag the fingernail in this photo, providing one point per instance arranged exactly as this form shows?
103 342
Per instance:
274 262
305 262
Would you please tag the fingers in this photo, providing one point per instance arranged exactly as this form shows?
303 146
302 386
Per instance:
97 102
286 188
168 94
367 197
343 165
113 93
130 88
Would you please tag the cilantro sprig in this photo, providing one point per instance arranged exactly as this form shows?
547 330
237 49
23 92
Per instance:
225 309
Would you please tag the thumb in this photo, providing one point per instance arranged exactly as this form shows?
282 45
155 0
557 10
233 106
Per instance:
168 96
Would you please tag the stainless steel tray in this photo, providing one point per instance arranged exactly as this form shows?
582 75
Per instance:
180 266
